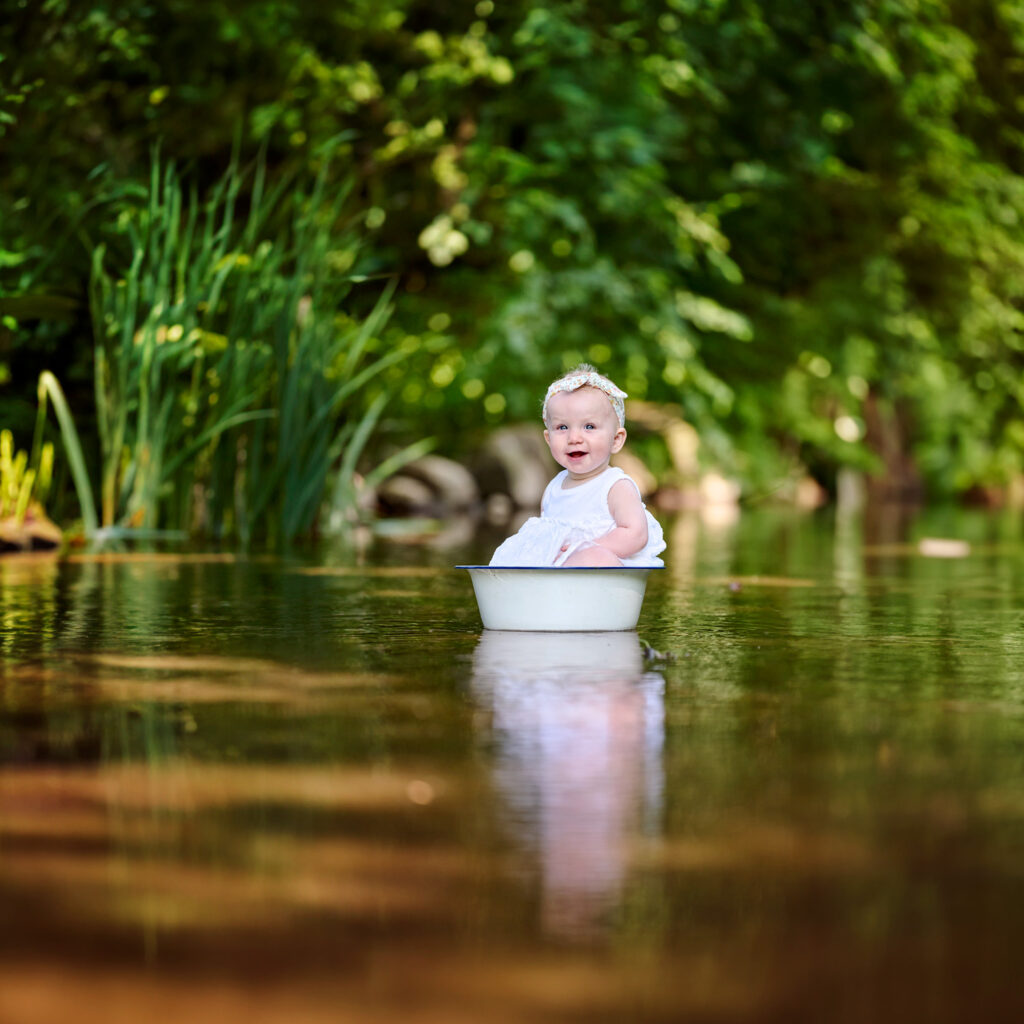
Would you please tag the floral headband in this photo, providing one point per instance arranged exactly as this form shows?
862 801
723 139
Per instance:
589 379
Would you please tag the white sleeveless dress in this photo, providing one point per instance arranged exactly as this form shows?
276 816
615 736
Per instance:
578 515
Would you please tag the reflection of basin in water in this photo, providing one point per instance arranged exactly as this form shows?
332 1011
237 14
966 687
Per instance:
558 600
565 657
578 729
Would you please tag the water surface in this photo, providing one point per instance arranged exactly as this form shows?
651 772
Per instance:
305 789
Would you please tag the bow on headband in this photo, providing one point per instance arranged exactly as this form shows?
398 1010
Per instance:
592 380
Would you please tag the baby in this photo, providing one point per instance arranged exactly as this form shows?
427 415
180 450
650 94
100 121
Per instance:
591 513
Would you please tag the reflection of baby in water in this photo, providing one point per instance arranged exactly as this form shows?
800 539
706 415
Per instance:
579 729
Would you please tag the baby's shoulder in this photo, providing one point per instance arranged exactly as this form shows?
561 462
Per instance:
624 489
613 476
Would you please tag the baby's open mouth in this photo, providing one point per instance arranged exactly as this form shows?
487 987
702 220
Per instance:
576 455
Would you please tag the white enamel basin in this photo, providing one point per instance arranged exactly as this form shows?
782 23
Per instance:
558 600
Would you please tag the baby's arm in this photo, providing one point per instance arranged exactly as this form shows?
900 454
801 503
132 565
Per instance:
630 533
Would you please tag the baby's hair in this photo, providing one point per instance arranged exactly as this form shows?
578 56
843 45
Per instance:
581 368
583 376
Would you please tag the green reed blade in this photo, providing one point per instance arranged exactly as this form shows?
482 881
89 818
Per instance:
45 473
212 433
394 463
24 496
354 448
301 510
371 371
50 388
370 326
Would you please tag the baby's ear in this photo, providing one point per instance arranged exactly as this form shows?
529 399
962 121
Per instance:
618 440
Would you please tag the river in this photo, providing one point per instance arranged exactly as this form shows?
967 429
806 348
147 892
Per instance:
312 788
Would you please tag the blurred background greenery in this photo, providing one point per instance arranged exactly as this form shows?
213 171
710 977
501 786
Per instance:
268 246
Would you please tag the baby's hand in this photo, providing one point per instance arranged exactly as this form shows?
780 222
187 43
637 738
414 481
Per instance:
568 544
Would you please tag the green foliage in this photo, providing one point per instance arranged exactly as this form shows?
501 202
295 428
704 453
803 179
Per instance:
800 223
225 366
23 481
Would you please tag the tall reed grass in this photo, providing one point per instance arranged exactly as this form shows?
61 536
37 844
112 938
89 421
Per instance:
230 381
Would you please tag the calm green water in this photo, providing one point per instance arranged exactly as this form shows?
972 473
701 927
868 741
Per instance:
315 790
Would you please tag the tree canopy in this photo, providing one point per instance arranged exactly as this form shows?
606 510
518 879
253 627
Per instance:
800 223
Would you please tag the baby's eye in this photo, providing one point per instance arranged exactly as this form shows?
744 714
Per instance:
589 426
561 426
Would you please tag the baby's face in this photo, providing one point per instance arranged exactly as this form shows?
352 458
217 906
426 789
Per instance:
583 431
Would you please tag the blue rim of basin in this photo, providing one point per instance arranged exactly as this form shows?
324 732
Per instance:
572 568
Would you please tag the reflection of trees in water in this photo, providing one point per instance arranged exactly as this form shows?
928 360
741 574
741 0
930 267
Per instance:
28 603
37 724
58 707
579 728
